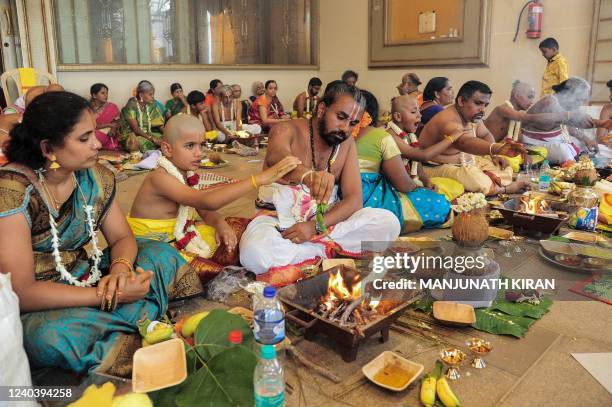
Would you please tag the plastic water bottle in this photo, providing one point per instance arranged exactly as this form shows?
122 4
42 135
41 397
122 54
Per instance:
269 381
269 319
544 180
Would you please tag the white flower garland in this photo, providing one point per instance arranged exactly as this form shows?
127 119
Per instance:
196 245
140 117
94 274
410 139
470 201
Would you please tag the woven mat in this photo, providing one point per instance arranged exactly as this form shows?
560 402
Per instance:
598 287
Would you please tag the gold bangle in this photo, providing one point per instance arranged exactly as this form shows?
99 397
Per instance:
449 138
253 182
121 260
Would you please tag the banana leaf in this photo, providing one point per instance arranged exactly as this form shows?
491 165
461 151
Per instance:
496 322
523 309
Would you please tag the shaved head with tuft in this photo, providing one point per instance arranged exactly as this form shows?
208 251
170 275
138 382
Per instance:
181 124
403 102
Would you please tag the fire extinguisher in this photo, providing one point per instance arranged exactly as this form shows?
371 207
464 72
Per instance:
534 19
535 12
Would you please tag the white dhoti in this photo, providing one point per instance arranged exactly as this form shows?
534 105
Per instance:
262 246
558 143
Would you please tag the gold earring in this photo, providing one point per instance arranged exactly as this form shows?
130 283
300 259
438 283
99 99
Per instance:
54 164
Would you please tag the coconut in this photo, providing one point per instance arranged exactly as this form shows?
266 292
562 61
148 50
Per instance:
471 228
586 177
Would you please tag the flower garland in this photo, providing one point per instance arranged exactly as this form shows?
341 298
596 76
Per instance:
140 117
95 274
470 201
414 142
186 234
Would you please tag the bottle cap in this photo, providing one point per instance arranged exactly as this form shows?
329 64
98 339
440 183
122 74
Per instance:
269 291
235 337
545 162
268 352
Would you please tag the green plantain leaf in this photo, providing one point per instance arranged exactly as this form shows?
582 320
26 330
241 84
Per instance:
211 333
227 380
523 309
496 322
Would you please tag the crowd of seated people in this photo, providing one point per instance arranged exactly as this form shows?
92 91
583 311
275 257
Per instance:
378 178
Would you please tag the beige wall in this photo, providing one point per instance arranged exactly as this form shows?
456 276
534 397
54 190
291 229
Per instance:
344 45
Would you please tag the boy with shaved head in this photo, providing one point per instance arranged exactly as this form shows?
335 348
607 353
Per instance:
164 205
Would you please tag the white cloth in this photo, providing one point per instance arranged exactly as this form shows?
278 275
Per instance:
149 161
263 247
254 129
15 369
559 148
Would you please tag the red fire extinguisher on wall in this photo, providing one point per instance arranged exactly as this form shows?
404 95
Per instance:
534 19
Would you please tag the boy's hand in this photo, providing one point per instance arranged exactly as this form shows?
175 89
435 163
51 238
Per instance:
277 171
226 235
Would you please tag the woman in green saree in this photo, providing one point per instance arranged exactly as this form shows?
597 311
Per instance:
142 120
54 196
178 103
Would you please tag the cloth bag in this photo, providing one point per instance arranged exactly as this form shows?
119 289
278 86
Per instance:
15 369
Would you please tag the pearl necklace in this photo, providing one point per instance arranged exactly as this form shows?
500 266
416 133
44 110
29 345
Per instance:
95 274
196 244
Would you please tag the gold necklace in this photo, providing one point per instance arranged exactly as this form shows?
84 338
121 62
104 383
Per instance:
56 203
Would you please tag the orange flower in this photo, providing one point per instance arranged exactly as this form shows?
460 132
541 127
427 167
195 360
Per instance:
365 121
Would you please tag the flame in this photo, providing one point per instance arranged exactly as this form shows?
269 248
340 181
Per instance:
534 206
338 290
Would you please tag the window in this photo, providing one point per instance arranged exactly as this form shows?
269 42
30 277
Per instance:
188 32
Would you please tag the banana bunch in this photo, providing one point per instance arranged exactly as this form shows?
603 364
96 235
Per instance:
560 188
433 384
154 331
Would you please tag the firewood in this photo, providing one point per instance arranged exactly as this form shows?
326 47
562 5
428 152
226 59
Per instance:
353 306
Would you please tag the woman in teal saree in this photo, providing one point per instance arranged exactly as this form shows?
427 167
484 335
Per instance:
54 196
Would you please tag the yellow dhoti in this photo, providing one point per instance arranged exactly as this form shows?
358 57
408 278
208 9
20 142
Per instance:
162 230
478 176
207 268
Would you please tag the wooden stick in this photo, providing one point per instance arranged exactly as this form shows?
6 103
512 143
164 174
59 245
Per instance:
306 362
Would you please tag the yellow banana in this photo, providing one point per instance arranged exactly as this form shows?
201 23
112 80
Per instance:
445 394
158 335
192 323
428 391
428 386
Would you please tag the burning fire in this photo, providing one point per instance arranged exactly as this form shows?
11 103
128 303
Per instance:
345 302
534 206
338 289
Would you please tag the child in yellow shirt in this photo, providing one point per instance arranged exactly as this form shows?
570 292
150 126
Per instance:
557 70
